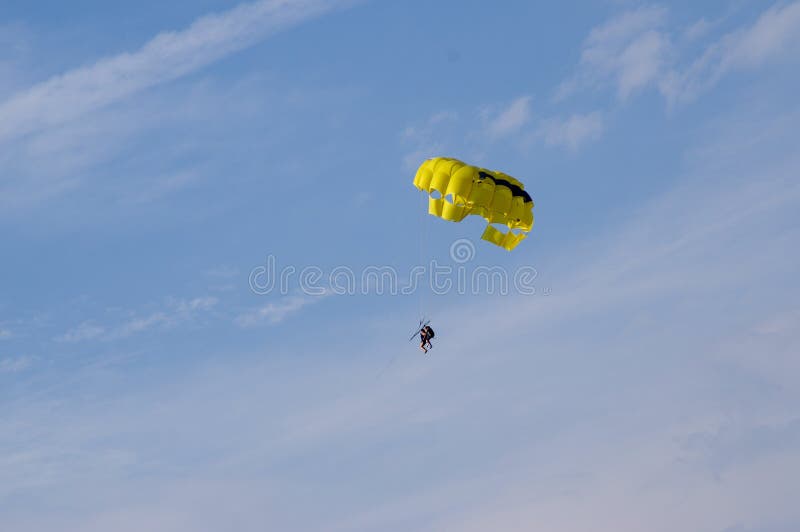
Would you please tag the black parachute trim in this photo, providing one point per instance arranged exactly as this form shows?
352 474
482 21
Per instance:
516 190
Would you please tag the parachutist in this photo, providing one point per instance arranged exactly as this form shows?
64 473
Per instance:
425 336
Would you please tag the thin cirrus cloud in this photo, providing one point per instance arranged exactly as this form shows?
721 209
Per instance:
775 34
635 51
16 364
87 330
511 119
444 130
628 51
602 421
426 138
275 312
573 131
176 312
164 58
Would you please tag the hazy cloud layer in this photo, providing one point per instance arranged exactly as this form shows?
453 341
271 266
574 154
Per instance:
657 403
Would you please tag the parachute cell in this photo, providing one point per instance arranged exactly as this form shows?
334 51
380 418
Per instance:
457 190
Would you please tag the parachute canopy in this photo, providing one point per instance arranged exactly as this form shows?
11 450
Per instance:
456 190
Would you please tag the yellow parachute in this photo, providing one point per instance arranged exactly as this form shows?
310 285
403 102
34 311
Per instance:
464 189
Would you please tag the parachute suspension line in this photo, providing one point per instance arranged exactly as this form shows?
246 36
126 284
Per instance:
421 288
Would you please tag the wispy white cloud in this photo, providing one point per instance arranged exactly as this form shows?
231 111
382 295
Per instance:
46 152
164 185
674 260
632 52
629 51
584 420
5 333
16 364
66 157
182 306
362 198
87 330
164 58
422 132
572 131
426 138
176 311
586 416
775 34
510 119
779 324
141 324
697 30
275 312
576 412
635 50
444 133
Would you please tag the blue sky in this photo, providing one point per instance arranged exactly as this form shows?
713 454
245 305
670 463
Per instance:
153 157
